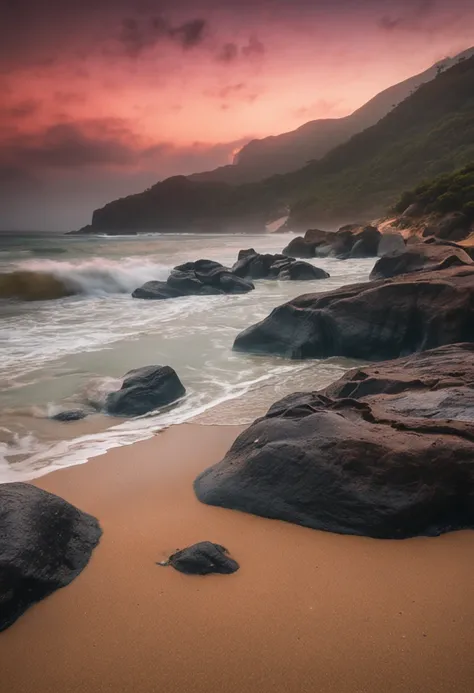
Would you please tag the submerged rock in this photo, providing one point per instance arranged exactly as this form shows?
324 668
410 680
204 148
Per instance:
200 278
202 559
69 415
144 390
45 543
386 452
267 266
370 321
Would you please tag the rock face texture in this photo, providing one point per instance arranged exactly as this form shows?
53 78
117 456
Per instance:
144 390
252 265
351 241
44 544
203 558
386 452
200 278
371 321
420 256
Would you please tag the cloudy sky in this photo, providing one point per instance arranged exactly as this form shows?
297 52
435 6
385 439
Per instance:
103 98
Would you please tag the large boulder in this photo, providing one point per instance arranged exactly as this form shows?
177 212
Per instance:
417 257
144 390
45 543
267 266
370 321
452 227
200 278
365 242
358 457
299 247
389 243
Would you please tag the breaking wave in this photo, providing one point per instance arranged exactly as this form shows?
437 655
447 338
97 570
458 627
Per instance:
43 280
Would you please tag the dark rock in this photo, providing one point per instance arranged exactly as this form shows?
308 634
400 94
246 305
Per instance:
266 266
299 247
416 209
155 290
203 558
418 257
246 253
391 243
318 236
144 390
373 321
386 452
453 227
69 415
44 544
302 271
200 278
365 243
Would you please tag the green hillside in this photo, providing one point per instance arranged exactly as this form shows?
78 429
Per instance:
429 133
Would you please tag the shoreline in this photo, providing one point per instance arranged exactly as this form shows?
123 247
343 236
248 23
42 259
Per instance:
307 610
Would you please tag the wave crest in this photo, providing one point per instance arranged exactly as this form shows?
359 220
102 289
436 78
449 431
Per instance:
43 280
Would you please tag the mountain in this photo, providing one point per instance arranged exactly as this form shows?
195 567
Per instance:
290 151
429 133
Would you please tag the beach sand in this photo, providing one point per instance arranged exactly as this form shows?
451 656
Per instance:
308 611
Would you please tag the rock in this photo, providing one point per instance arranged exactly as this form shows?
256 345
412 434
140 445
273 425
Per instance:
144 390
391 243
259 266
370 321
69 415
365 242
418 257
299 247
156 290
202 559
302 271
200 278
246 253
44 544
416 209
387 452
318 236
452 227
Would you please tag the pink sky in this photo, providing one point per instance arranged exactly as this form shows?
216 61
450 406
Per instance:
102 99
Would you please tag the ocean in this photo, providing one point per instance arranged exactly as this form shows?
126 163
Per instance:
63 352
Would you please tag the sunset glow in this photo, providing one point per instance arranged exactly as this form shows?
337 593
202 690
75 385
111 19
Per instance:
102 99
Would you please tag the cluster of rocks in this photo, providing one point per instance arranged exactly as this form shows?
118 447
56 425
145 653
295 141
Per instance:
455 226
209 278
352 241
253 265
200 278
386 452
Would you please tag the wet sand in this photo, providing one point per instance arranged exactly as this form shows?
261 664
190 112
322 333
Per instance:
308 611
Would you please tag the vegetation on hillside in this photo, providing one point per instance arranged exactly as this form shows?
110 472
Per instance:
428 134
452 192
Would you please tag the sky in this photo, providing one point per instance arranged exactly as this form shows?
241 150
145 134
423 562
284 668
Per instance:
101 99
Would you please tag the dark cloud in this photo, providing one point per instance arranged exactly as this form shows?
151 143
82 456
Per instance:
228 53
254 48
411 20
20 110
140 34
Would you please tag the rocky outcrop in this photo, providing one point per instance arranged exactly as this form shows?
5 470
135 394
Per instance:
144 390
387 452
203 558
418 257
44 544
370 321
299 247
351 241
200 278
452 227
266 266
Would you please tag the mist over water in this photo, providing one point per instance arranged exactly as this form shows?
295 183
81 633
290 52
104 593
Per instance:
67 352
